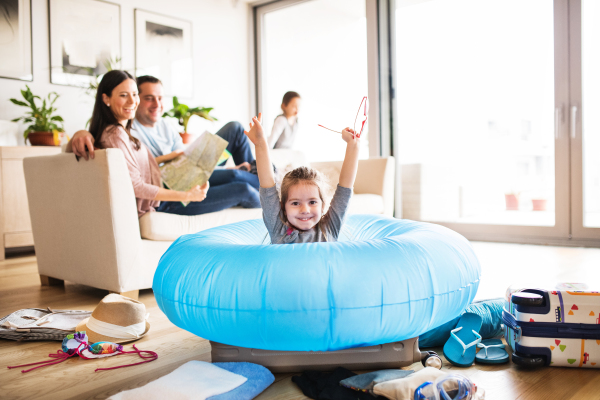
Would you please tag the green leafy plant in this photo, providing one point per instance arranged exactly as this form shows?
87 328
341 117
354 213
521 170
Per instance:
183 113
110 64
42 118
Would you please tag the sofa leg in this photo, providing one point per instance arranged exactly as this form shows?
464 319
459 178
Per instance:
133 294
50 281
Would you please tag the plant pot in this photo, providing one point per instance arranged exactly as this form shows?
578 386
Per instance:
512 202
539 204
45 138
186 137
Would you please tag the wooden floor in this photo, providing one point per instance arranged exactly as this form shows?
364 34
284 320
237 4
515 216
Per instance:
502 264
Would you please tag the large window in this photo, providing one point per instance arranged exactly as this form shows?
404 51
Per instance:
475 108
318 49
590 32
495 122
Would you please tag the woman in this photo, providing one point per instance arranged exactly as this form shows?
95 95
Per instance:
116 102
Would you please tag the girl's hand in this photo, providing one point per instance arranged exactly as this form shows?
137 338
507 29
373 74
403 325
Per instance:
349 136
256 133
198 193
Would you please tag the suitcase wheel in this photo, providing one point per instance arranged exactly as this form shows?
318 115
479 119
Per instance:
529 361
527 299
432 360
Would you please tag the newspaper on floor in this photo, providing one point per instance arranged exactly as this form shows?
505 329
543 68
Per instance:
40 324
196 164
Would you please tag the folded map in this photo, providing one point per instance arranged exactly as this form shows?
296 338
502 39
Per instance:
195 165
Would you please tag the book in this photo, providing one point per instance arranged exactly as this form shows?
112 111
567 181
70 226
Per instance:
196 164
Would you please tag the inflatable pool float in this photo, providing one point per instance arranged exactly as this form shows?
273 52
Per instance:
385 280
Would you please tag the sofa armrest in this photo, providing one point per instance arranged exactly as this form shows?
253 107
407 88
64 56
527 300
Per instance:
374 176
84 220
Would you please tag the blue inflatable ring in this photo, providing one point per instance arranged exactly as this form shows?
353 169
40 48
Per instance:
384 280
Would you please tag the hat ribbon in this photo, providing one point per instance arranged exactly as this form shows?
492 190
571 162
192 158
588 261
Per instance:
116 331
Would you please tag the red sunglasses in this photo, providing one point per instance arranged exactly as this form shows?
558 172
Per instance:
364 120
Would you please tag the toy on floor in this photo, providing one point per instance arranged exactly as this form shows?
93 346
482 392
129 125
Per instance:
385 280
76 344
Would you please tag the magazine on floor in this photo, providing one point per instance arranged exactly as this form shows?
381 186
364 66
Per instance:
196 164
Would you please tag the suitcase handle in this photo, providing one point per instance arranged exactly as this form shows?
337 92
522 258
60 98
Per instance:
510 321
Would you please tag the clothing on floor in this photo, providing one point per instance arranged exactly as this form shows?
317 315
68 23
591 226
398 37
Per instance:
404 388
40 324
195 380
259 378
326 385
365 382
331 223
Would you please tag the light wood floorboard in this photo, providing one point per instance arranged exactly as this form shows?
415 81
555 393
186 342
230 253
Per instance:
502 264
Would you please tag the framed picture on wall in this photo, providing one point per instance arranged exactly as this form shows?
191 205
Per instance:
85 37
163 49
15 40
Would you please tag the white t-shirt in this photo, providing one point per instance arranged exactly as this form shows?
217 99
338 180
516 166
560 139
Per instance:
161 139
283 134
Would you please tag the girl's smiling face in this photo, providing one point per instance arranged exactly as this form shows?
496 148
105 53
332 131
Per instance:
304 206
123 100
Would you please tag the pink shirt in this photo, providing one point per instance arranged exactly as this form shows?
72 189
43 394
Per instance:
143 169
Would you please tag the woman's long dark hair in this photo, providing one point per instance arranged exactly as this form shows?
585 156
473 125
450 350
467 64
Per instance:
102 116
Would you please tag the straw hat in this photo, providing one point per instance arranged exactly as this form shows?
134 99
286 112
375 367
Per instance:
116 319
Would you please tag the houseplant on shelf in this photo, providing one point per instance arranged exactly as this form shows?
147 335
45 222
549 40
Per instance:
46 129
183 114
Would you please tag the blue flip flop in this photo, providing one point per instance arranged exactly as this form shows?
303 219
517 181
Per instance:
460 349
492 351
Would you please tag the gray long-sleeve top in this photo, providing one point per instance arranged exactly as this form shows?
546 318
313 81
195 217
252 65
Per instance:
331 223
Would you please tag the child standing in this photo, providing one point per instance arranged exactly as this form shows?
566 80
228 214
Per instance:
285 126
298 217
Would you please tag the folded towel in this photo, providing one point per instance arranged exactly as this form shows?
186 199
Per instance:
195 380
259 378
404 388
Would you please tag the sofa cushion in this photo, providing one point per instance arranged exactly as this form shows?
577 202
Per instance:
163 226
366 204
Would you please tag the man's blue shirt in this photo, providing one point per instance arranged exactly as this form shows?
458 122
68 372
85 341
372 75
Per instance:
161 139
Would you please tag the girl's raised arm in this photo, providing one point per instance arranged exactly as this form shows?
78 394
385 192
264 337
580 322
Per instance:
263 160
350 165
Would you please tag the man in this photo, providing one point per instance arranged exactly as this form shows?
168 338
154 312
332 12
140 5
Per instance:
165 144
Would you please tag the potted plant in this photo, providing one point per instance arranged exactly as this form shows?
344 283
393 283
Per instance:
183 114
512 201
46 129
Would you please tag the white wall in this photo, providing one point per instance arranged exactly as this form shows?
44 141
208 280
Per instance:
220 48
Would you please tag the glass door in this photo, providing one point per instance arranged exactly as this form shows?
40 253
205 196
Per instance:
319 49
585 118
481 115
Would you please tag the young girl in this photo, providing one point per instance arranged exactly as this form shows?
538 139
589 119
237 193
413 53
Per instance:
298 217
285 126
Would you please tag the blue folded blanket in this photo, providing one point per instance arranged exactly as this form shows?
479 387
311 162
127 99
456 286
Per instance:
259 378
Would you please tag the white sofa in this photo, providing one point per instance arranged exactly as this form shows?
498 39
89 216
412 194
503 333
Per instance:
85 223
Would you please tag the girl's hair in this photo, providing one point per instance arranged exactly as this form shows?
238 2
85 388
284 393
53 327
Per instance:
307 176
102 116
288 97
